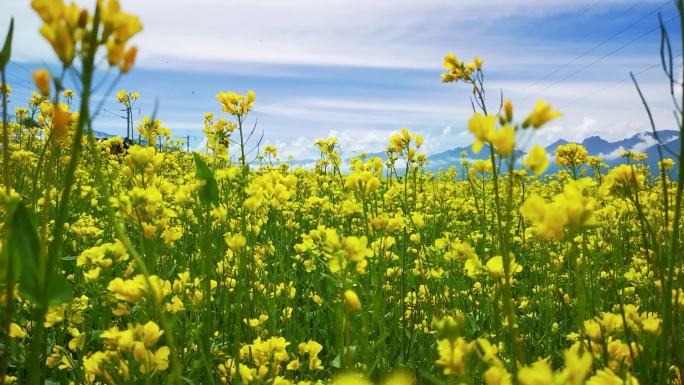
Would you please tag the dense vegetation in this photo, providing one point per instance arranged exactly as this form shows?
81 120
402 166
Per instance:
152 265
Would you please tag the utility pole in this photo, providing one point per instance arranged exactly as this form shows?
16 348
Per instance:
129 121
127 99
187 142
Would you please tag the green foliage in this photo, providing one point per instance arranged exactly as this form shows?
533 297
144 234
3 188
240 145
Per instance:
208 193
7 48
24 261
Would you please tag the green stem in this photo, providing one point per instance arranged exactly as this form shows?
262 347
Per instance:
671 261
9 310
4 361
5 133
46 273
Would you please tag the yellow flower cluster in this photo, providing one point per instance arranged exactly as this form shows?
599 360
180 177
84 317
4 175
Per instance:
624 177
365 176
571 155
118 29
168 267
536 160
272 189
236 104
482 127
127 98
502 140
218 135
137 342
572 209
457 70
268 361
100 257
133 290
58 121
153 131
542 114
63 26
400 144
68 27
341 252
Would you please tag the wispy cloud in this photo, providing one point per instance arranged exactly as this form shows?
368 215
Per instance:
363 69
381 33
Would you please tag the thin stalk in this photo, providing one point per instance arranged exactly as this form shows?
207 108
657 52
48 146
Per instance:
508 306
5 134
673 256
37 342
9 297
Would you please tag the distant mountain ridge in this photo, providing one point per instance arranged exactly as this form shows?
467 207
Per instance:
610 151
102 135
644 142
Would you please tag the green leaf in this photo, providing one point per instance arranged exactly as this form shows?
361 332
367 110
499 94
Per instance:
337 361
23 247
7 48
6 267
60 291
332 279
24 251
208 192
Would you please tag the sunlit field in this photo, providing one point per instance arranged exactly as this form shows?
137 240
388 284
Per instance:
141 262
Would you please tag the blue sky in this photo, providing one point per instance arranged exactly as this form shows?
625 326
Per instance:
360 70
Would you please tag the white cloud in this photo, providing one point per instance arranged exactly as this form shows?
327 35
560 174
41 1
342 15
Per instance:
646 141
379 33
353 142
587 127
268 37
299 148
378 110
613 154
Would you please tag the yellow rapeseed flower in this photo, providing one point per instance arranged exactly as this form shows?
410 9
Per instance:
536 160
452 355
41 78
503 140
542 114
236 104
352 301
481 127
497 375
539 373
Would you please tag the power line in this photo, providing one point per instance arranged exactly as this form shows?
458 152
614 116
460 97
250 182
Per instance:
583 68
621 14
17 82
599 45
612 85
19 79
21 66
112 113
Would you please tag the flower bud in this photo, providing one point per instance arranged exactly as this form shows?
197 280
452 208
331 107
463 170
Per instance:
478 62
351 300
128 59
41 78
60 119
83 18
419 140
508 110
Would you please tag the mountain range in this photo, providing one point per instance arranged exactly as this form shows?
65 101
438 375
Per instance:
610 151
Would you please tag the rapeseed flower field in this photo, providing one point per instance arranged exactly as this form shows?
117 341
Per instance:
149 264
